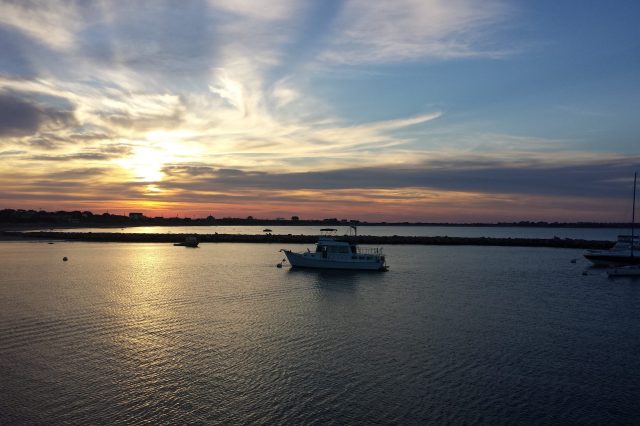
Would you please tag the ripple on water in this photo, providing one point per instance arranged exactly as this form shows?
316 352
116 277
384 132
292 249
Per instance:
136 333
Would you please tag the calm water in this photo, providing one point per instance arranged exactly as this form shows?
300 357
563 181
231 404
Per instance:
605 234
131 333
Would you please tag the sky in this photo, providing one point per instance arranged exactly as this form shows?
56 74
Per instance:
404 110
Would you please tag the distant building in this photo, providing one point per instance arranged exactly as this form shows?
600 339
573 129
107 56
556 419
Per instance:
136 216
294 218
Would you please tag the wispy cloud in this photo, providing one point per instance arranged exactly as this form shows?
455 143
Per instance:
275 10
382 32
11 153
53 23
222 102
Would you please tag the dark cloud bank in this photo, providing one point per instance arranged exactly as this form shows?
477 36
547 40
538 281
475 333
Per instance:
601 179
22 117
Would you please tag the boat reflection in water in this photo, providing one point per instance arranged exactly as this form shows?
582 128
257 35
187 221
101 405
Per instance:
625 271
332 253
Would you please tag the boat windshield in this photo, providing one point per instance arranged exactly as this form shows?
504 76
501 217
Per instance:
328 232
333 248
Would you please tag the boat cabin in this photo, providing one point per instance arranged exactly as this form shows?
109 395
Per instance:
626 242
329 245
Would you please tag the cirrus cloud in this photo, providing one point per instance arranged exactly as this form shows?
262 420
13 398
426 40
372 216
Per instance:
381 32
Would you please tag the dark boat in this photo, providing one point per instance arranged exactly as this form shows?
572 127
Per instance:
188 242
625 251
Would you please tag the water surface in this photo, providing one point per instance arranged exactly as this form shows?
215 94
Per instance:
133 333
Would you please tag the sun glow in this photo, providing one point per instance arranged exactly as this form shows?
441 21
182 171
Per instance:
152 190
146 164
160 149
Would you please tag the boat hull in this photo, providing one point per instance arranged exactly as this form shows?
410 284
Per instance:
298 260
192 245
607 260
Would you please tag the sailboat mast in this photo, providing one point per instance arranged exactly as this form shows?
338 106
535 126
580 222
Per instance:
633 213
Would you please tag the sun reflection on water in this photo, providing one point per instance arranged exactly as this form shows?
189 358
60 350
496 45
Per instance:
142 303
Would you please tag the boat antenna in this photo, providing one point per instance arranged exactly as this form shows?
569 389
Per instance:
633 212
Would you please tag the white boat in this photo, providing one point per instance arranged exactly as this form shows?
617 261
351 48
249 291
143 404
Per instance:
331 253
626 249
625 271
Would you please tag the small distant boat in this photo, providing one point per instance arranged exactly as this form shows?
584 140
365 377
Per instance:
626 249
625 271
188 242
267 230
331 253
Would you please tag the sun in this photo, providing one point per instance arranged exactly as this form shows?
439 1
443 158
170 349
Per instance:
158 149
146 164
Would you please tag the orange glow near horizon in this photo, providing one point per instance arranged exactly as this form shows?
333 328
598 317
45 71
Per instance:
382 205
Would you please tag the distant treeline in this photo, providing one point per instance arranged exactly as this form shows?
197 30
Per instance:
89 219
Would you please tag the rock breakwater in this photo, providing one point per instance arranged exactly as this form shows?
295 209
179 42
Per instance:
309 239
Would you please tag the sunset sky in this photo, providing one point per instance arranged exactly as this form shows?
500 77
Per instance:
407 110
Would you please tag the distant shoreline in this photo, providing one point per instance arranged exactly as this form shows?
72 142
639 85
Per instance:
306 239
54 226
12 219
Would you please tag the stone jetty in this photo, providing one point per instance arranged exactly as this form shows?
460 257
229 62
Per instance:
116 237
